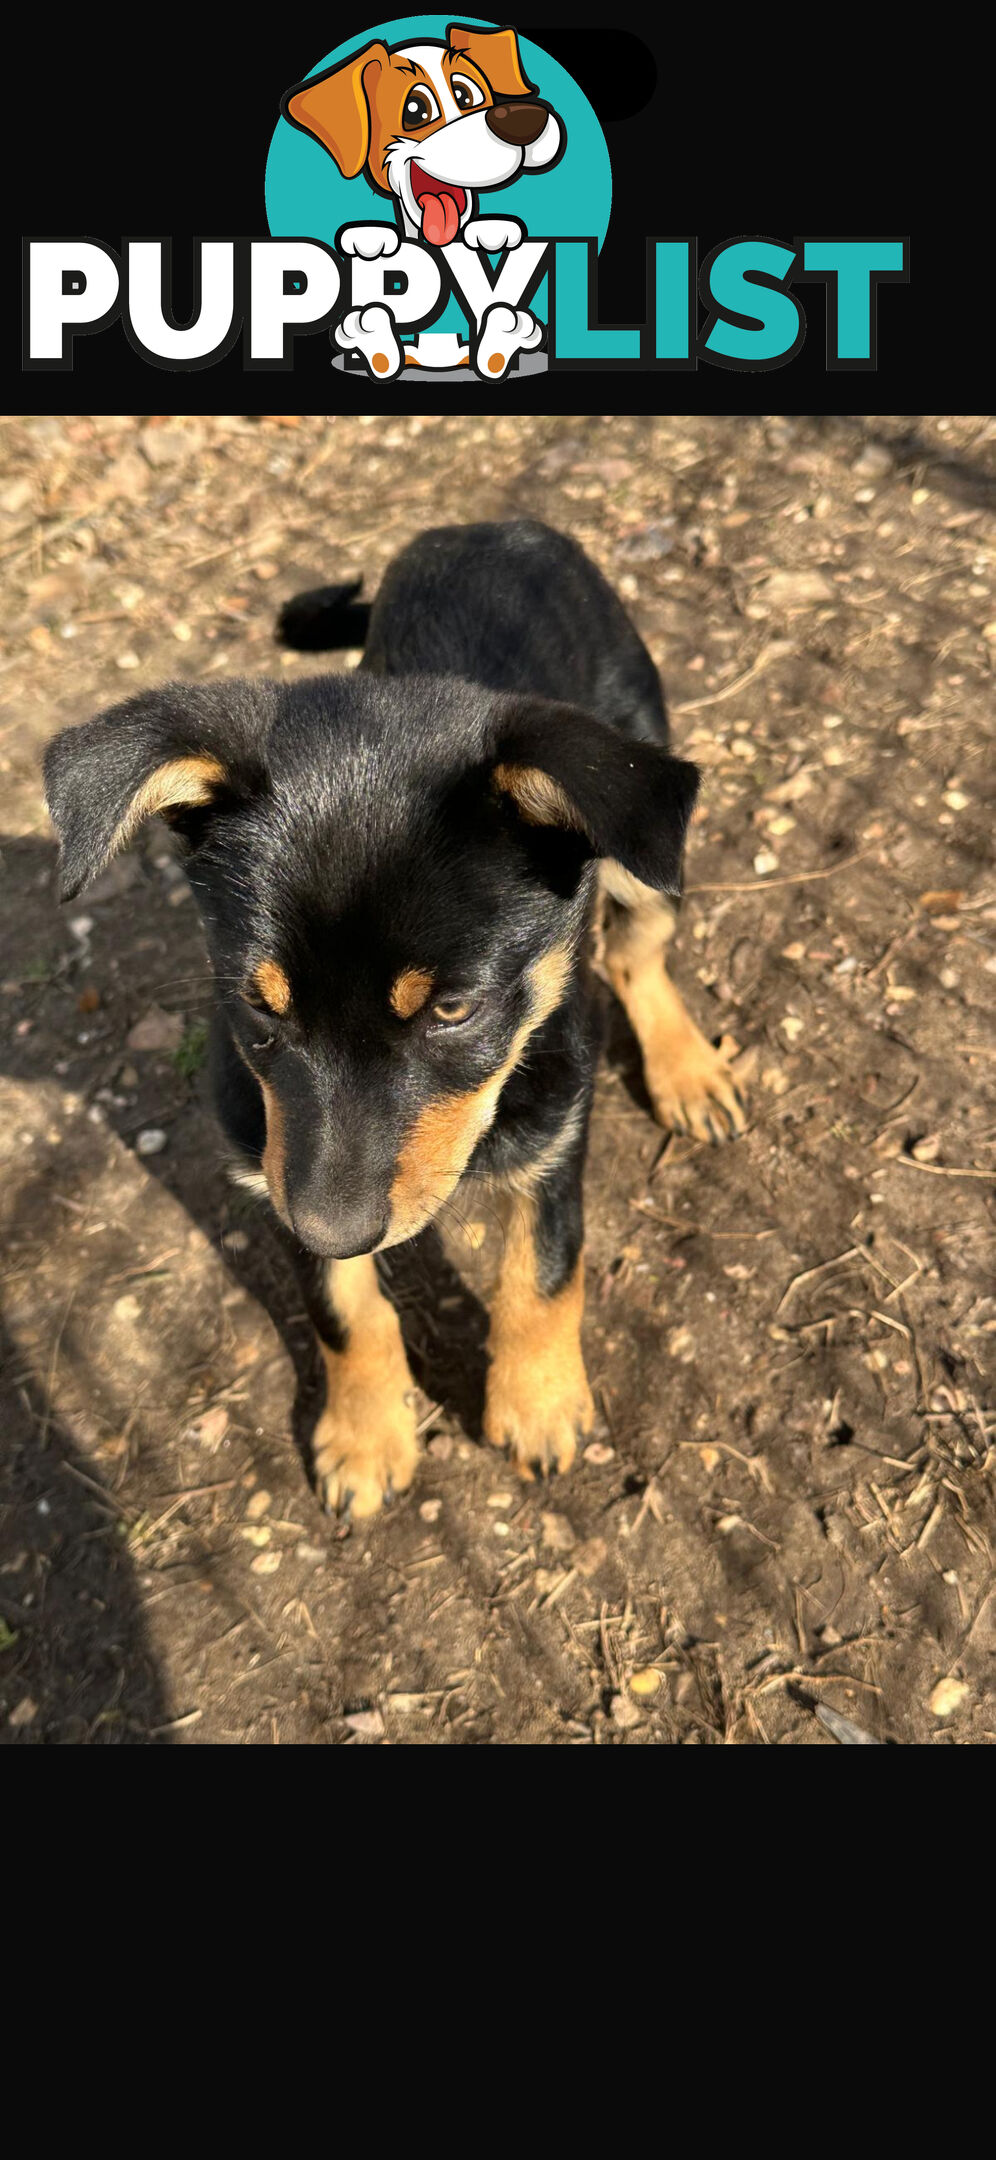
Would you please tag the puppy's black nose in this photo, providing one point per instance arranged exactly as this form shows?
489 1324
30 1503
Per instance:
340 1235
517 123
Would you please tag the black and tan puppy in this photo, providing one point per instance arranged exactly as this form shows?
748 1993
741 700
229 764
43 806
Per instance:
398 870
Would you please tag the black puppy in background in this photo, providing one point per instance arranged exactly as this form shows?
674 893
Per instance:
398 870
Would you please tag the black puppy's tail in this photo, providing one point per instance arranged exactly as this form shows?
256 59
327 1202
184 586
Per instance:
325 620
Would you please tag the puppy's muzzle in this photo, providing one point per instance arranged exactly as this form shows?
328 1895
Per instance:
520 124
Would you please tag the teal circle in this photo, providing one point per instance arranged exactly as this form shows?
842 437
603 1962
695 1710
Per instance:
307 197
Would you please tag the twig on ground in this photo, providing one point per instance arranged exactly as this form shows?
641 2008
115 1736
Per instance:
802 877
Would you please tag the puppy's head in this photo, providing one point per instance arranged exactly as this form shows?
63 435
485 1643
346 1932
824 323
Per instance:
393 878
429 122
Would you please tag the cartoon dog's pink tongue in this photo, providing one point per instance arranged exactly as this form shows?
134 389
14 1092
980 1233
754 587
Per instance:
441 204
439 219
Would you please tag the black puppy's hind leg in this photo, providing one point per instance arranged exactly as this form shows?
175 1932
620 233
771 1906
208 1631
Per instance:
365 1447
538 1402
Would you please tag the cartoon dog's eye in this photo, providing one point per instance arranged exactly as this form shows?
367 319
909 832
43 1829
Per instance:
419 108
466 94
449 1012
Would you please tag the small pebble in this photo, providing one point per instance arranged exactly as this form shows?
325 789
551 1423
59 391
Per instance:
948 1696
209 1429
368 1724
151 1141
588 1558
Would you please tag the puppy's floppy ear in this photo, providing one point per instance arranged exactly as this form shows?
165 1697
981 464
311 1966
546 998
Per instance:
334 107
176 749
631 800
496 53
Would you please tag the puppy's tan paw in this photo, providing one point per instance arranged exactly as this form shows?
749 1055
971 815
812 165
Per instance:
538 1418
365 1451
693 1091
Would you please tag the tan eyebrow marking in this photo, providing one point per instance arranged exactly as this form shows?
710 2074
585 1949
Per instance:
271 984
409 991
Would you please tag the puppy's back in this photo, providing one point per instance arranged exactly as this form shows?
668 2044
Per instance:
516 607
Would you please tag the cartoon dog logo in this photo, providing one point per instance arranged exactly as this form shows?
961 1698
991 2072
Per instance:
432 124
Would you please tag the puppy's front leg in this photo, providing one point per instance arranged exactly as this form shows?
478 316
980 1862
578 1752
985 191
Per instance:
365 1446
538 1401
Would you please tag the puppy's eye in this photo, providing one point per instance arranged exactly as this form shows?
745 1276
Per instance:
264 1027
466 94
419 108
449 1012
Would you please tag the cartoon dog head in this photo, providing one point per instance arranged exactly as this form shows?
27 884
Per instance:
430 122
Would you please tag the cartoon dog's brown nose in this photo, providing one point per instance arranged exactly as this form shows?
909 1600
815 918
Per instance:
517 123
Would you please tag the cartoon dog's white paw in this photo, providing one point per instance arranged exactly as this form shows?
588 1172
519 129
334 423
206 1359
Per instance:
492 234
370 332
504 332
370 241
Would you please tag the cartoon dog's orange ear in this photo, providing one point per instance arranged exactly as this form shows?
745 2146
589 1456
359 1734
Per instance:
334 108
496 53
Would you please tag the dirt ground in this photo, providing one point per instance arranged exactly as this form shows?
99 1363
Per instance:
787 1511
